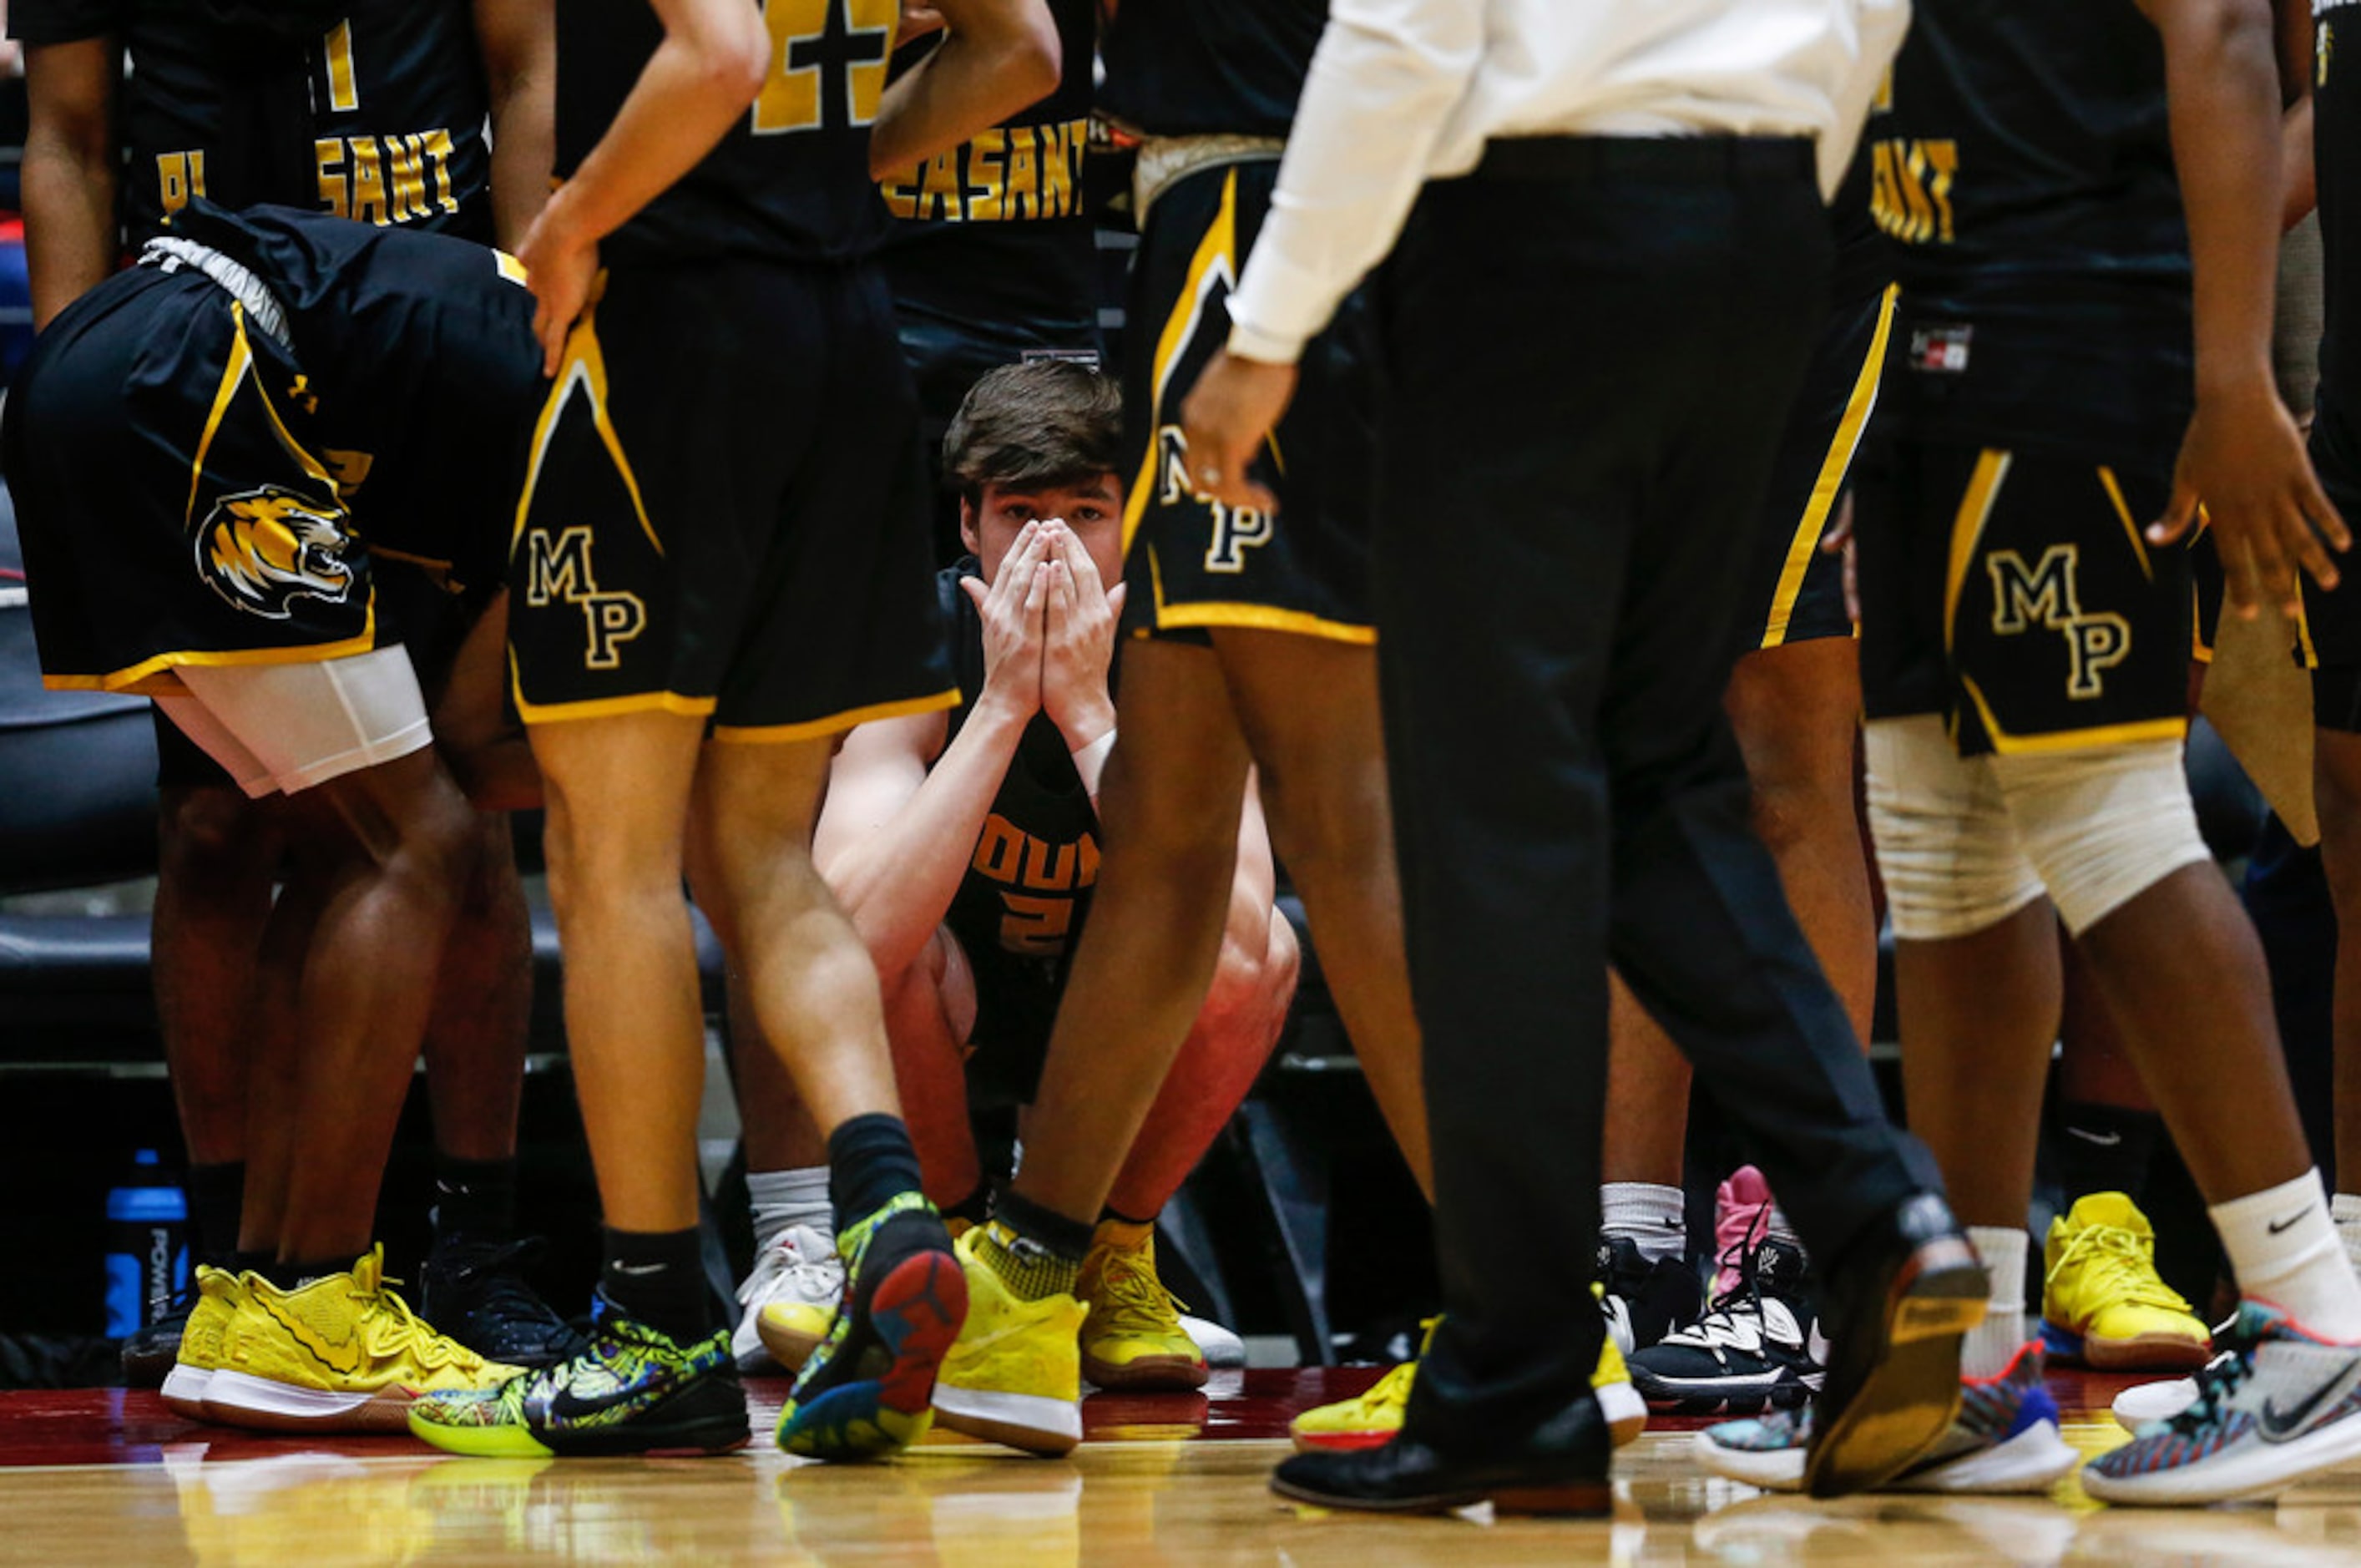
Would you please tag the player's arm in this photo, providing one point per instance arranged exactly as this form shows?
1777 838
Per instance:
2242 457
705 72
901 821
519 41
996 57
69 169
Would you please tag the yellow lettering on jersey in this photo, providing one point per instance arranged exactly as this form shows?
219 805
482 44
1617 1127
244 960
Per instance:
438 144
1060 168
1911 189
999 849
368 182
2323 41
1023 180
174 182
335 191
408 157
344 81
987 197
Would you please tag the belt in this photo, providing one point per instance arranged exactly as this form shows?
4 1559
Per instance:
171 252
1687 160
1165 161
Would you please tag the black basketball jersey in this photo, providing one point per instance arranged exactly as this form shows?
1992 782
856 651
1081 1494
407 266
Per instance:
2336 163
419 365
369 109
2025 173
1029 883
1209 67
992 234
790 180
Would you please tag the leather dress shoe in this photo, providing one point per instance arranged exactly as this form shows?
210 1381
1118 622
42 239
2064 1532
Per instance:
1559 1467
1894 1305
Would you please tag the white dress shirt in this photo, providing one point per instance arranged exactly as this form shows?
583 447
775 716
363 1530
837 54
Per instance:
1402 92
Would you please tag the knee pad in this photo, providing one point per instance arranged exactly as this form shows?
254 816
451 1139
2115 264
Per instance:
2103 825
1946 849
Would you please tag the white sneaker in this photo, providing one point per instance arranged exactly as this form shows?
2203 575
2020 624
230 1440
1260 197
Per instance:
1217 1344
2141 1403
799 1266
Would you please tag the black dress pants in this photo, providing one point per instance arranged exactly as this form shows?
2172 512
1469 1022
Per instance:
1591 345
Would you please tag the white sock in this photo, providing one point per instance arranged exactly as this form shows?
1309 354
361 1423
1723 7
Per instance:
783 1198
1654 1217
1992 1345
2346 1209
2284 1249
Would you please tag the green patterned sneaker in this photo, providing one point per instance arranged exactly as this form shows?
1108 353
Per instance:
868 1390
633 1390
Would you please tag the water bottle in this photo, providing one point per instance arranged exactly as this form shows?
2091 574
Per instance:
147 1247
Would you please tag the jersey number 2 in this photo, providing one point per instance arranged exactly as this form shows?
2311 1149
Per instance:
828 63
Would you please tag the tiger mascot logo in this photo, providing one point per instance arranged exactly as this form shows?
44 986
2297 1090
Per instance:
262 550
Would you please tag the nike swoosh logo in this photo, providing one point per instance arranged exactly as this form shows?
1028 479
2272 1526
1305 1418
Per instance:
2103 1140
2292 1220
2278 1425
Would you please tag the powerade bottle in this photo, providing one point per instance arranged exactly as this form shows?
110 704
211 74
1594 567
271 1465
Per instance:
147 1247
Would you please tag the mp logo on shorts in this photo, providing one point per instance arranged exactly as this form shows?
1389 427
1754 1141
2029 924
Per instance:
263 549
557 569
2044 595
1236 530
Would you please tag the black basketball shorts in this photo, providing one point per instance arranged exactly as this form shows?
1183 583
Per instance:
2015 593
1192 564
725 513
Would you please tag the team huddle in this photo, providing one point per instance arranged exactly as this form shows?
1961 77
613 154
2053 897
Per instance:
757 511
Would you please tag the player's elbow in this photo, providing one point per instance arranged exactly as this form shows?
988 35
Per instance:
736 60
2215 27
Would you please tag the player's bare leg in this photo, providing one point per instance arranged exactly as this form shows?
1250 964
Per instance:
929 1013
477 1035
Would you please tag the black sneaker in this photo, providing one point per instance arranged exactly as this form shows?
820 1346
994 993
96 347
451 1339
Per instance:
1645 1300
152 1351
1759 1347
475 1291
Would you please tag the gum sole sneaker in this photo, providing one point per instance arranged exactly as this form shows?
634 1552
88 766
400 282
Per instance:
1014 1374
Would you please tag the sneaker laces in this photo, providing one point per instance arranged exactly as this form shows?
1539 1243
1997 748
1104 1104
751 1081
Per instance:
2217 1382
1133 1298
785 1263
413 1333
2121 1263
1736 1319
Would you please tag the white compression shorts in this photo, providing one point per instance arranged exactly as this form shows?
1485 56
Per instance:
284 728
1964 842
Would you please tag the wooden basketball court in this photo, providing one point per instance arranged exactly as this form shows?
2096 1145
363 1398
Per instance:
110 1478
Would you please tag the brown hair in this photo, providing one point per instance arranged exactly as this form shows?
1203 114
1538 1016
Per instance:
1040 424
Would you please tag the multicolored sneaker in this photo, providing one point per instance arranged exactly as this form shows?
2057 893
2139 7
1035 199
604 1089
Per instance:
2102 1302
1132 1338
220 1293
1015 1376
1758 1348
2277 1406
2004 1440
476 1292
343 1353
797 1268
633 1389
867 1390
1373 1416
2143 1404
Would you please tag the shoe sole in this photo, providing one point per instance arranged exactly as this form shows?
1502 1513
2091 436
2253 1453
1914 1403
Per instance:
242 1399
1626 1413
2170 1397
1592 1499
1148 1374
184 1390
2032 1461
2254 1469
1719 1396
1912 1392
915 1311
1033 1422
789 1347
696 1438
2143 1353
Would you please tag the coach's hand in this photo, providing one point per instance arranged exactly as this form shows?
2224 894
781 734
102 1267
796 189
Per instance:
1080 646
1229 414
559 269
1014 607
2244 460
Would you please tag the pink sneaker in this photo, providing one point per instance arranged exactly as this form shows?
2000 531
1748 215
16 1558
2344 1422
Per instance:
1741 1214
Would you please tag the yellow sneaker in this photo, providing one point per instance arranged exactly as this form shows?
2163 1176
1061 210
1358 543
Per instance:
1372 1418
2101 1303
342 1354
1133 1339
1016 1374
220 1293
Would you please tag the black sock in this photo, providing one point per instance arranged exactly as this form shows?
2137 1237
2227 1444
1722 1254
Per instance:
216 1194
1044 1257
975 1208
1120 1218
869 1161
474 1200
2105 1149
658 1277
